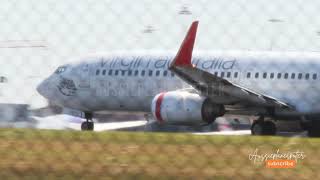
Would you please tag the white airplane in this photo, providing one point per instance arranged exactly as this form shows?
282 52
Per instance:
186 89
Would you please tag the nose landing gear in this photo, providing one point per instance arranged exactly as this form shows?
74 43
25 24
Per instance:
87 125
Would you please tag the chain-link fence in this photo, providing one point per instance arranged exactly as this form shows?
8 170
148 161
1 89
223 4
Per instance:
38 36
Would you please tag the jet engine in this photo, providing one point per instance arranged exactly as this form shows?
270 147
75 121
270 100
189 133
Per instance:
185 108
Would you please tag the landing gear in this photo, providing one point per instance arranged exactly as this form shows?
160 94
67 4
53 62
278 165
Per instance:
313 128
88 125
305 125
261 127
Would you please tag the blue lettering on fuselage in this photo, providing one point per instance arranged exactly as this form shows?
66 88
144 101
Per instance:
164 62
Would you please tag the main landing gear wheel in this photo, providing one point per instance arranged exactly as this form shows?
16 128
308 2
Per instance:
88 125
305 125
314 128
260 127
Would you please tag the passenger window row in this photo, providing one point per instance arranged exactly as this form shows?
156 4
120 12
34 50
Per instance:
282 75
222 74
226 74
112 72
266 75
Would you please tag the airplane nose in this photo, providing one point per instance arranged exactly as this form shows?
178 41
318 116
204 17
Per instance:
42 88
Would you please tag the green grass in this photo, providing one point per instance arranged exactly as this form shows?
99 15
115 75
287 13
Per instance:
39 154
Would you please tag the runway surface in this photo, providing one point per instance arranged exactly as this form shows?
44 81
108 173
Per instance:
221 127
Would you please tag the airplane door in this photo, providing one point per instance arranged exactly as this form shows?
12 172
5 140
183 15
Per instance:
84 75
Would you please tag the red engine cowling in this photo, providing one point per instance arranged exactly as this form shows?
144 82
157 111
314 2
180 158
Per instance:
184 108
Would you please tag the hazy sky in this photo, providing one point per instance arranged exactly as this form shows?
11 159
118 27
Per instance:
80 26
73 27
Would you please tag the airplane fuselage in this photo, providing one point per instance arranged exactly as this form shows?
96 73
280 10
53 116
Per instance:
130 82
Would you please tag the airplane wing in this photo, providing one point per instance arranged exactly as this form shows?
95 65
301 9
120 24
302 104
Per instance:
213 86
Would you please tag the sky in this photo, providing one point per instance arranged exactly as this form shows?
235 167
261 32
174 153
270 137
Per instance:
71 28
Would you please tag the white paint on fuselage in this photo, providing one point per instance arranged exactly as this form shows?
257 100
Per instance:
130 92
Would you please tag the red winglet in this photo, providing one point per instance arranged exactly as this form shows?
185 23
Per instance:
184 55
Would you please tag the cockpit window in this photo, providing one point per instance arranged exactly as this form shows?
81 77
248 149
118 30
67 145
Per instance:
60 69
3 79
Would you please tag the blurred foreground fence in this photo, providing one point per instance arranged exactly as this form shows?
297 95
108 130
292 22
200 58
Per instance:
36 33
42 154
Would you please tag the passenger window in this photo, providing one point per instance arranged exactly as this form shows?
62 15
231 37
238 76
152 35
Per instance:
150 72
136 72
314 76
104 72
110 72
293 75
279 75
157 73
300 76
264 75
172 74
235 75
248 75
123 72
228 74
165 73
222 74
286 75
97 72
307 76
257 75
116 72
216 73
143 72
271 75
129 72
